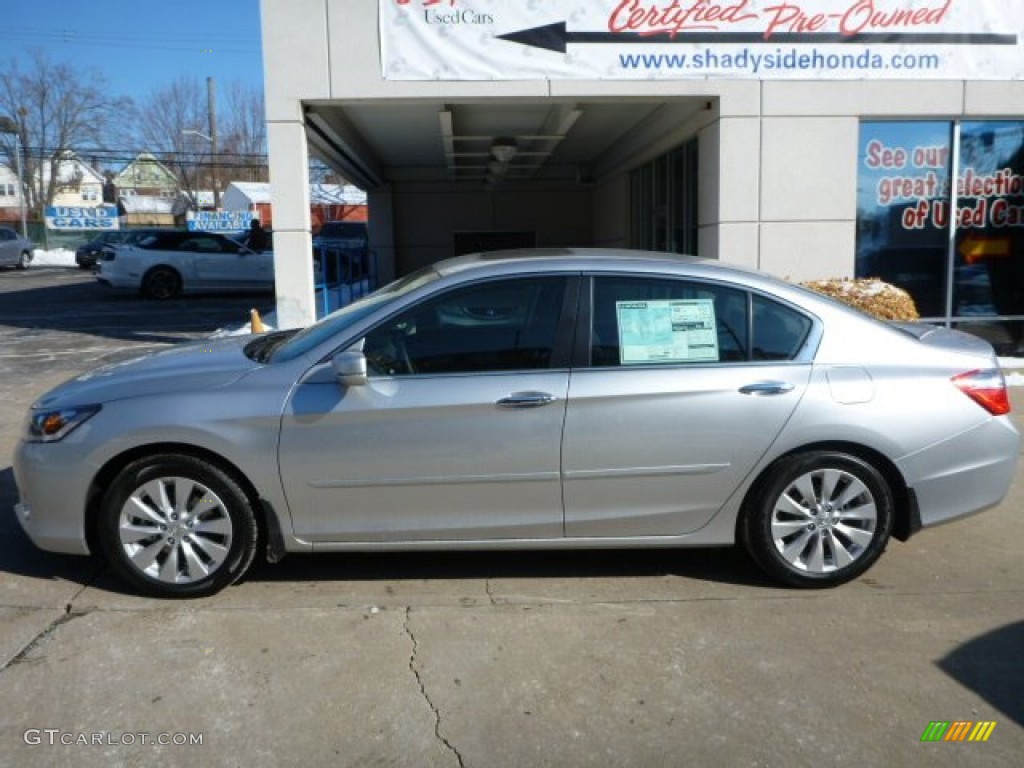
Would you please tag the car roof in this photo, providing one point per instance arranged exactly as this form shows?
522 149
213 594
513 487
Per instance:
634 262
601 259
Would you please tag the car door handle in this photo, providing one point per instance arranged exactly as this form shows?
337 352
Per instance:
526 400
765 388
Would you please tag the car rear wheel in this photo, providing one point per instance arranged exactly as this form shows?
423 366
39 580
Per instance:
24 260
161 283
174 526
819 519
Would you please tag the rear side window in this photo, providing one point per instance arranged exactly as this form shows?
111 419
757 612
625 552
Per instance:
649 321
779 332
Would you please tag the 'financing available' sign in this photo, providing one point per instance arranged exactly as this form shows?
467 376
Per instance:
220 221
695 39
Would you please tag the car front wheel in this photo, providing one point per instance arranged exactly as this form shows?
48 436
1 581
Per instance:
24 260
174 526
819 519
161 283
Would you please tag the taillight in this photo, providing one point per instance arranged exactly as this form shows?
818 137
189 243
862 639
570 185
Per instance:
987 388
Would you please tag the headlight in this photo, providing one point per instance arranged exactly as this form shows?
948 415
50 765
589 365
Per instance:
51 426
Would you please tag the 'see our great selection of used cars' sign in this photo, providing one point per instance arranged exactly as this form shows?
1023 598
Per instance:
91 217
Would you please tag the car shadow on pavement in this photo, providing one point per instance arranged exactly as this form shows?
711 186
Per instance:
990 665
726 565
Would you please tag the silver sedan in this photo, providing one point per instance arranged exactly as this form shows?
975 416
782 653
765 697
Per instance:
15 250
529 399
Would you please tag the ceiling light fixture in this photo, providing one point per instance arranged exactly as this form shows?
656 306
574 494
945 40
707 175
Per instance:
504 149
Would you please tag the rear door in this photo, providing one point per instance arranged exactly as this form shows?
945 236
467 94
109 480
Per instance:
676 402
222 263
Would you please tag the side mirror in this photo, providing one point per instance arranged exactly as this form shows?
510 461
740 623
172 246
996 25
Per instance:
350 367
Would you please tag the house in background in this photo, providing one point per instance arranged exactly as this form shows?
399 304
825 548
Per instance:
148 177
10 195
327 202
77 185
149 192
336 202
149 211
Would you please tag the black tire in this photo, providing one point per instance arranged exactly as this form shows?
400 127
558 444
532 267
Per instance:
24 260
161 283
170 547
825 540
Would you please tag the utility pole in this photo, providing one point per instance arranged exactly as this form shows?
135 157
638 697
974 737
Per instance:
211 100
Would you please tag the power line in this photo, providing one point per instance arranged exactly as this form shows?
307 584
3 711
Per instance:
208 44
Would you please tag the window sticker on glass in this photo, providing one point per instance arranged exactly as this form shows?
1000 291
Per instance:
679 331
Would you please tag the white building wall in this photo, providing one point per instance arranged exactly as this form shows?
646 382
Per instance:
778 159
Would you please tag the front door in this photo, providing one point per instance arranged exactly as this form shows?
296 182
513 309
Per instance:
456 436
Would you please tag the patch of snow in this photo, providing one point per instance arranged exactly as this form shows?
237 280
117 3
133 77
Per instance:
269 324
58 257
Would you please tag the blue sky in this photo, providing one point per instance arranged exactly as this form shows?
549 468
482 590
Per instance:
140 45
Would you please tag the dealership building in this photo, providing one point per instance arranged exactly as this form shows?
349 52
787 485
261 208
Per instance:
813 139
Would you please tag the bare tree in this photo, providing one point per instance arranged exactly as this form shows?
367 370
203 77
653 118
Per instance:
171 124
174 124
244 133
57 109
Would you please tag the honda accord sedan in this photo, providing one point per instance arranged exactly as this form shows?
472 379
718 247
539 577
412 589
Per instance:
527 399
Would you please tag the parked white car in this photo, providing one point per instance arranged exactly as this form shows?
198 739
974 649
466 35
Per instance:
15 250
166 264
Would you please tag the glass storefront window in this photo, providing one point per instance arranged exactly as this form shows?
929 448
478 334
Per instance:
965 270
664 202
903 196
989 254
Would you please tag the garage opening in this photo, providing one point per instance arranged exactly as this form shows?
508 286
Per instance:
445 178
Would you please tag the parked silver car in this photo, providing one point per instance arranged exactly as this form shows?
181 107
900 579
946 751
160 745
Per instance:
15 250
528 399
165 264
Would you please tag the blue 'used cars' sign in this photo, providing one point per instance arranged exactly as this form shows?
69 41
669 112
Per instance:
220 221
82 217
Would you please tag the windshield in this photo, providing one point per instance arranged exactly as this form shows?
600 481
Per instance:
334 323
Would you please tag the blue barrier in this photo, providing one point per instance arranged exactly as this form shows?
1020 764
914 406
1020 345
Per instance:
343 274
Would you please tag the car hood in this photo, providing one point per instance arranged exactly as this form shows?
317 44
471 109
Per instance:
187 367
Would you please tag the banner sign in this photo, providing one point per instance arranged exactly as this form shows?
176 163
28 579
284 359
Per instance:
220 221
71 217
677 39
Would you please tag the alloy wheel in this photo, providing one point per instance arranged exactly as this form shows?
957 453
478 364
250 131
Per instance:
824 521
175 530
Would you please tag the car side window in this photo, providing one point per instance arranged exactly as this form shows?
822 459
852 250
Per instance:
779 332
201 245
502 325
638 321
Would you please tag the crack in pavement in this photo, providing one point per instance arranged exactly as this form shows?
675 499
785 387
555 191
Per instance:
423 691
69 613
22 656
